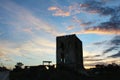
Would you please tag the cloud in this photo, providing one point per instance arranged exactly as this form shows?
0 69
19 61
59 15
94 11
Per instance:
113 44
94 7
37 46
58 11
6 51
76 20
70 27
32 49
85 24
110 49
8 48
91 6
92 58
66 10
91 61
115 40
97 7
25 20
92 64
105 28
115 55
110 27
99 43
36 49
28 30
1 54
81 22
53 8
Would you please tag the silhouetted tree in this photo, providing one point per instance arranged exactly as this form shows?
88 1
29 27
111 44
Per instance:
2 67
18 66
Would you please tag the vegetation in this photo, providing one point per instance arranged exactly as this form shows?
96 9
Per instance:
106 72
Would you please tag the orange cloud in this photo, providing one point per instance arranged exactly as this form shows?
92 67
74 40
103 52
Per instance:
58 11
66 11
53 8
98 31
61 13
70 27
102 31
73 9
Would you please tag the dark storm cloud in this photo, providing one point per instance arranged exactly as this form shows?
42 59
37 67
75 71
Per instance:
115 55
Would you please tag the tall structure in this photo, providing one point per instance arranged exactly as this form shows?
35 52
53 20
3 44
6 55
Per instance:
69 52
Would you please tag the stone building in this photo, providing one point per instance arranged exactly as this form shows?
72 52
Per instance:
69 52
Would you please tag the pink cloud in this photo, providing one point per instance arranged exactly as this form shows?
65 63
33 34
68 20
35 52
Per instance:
28 30
102 31
53 8
58 11
70 27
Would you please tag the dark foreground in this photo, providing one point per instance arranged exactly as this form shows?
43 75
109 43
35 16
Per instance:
43 73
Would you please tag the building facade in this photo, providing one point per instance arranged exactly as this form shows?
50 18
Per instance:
69 52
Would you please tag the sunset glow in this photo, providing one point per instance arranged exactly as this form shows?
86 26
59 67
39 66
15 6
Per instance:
28 30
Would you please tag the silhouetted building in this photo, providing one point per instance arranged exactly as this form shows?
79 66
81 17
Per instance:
69 52
48 62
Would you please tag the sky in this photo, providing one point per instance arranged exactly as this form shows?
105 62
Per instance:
28 30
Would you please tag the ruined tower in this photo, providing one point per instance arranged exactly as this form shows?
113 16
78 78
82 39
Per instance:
69 52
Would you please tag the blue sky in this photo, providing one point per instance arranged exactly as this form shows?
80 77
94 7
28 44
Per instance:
28 29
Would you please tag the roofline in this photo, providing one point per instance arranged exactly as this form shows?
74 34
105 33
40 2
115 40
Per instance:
67 35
